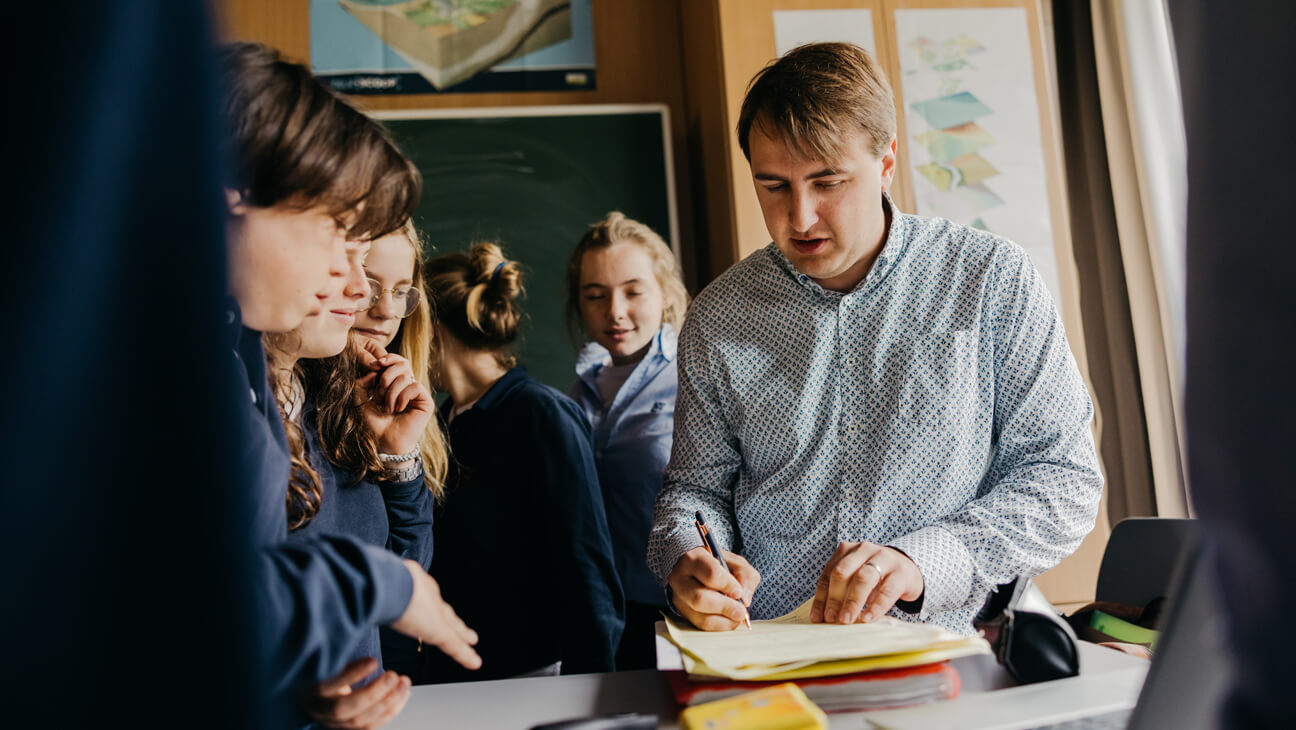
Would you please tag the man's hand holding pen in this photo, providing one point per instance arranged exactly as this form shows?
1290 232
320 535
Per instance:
710 596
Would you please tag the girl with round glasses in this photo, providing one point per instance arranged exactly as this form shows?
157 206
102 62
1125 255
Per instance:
397 319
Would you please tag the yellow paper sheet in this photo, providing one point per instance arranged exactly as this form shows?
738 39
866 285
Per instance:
791 646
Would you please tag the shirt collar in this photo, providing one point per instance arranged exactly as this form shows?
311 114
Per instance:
511 381
594 356
891 250
246 346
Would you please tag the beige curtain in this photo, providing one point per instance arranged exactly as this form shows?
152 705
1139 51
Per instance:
1121 429
1142 122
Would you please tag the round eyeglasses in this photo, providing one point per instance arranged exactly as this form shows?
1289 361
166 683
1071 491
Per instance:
404 299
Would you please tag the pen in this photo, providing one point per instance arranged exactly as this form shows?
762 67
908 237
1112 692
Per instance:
708 541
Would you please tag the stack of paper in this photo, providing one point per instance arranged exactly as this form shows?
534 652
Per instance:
791 647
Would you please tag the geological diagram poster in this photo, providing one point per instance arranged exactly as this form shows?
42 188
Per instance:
452 46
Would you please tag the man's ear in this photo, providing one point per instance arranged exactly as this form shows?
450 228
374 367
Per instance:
888 164
234 200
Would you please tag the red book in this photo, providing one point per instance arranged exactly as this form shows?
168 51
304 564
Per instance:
876 690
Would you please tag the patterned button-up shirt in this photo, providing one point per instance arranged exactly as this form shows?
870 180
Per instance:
935 408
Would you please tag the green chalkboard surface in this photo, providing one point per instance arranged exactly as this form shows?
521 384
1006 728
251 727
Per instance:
532 179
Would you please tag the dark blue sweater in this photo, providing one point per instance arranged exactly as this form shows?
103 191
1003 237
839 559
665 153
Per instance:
316 598
522 547
394 515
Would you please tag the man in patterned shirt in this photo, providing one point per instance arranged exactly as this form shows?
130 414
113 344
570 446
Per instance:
877 410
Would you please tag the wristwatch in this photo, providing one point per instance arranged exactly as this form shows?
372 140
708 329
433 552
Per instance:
408 473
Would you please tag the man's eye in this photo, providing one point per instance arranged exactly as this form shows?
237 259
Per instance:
593 297
775 188
830 183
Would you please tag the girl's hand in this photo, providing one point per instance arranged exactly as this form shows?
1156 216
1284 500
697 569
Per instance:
430 619
396 407
341 702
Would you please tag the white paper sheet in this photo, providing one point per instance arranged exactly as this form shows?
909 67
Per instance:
794 28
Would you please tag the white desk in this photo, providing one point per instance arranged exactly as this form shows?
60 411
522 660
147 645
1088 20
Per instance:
1109 681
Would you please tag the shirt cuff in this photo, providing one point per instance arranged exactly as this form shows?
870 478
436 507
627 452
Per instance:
675 547
393 584
403 489
946 567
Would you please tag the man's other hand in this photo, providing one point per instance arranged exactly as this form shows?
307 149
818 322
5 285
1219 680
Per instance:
862 581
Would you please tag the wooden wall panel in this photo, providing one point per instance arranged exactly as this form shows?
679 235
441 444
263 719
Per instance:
710 130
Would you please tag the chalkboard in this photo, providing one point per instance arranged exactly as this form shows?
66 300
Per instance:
532 179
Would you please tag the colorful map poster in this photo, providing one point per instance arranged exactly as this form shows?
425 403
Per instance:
973 125
452 46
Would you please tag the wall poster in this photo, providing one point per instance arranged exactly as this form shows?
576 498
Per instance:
452 46
973 125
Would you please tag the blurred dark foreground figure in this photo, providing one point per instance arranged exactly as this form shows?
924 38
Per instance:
1235 63
127 597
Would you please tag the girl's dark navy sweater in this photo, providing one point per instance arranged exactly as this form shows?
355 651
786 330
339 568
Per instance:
393 515
522 547
317 598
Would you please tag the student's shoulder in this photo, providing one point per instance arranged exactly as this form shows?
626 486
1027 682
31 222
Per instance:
545 402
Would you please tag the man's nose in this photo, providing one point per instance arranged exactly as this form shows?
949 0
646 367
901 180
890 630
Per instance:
804 213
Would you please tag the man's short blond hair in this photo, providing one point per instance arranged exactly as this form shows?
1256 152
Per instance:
815 97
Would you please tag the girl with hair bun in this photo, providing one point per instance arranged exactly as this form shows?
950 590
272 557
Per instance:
521 537
626 297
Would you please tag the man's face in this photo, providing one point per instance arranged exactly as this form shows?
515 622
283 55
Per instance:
826 217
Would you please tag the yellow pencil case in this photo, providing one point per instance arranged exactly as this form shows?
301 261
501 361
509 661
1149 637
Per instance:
782 707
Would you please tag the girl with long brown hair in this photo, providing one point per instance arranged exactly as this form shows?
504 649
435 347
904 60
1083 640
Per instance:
315 181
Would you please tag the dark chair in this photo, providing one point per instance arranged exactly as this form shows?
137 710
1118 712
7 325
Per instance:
1140 561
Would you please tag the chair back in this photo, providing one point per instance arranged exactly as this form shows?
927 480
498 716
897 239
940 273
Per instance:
1141 557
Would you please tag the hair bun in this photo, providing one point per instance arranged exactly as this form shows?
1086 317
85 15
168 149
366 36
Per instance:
476 295
501 278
